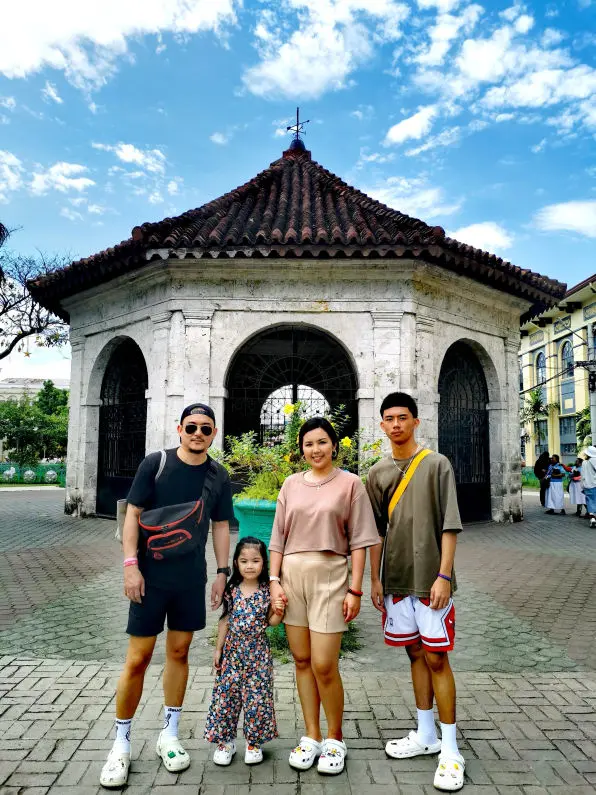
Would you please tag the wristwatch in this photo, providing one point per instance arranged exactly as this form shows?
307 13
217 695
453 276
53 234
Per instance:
224 570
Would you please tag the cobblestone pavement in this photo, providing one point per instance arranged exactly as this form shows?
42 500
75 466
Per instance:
525 669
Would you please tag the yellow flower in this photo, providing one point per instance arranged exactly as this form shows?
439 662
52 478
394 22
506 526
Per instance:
287 458
289 408
346 442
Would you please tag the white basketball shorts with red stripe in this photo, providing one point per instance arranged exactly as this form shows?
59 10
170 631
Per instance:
408 619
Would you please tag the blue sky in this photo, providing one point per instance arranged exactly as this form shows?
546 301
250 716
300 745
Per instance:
478 116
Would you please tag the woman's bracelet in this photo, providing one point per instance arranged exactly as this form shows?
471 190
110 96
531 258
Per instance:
355 593
274 578
444 577
131 562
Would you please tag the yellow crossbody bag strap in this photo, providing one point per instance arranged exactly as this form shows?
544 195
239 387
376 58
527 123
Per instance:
403 484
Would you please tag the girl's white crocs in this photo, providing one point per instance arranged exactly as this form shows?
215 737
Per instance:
253 755
172 754
115 771
333 757
450 773
303 756
224 753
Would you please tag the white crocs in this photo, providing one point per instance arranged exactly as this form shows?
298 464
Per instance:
115 771
253 755
224 753
333 757
303 756
450 773
407 747
172 754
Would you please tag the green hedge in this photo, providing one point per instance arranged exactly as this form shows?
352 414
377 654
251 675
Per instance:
529 478
54 474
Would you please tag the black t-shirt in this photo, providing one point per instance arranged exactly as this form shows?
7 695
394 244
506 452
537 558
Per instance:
177 484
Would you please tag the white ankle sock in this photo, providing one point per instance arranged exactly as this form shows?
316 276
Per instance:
171 716
427 731
122 741
449 739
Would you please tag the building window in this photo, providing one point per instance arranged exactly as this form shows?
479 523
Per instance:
540 369
541 440
567 427
521 379
567 439
567 360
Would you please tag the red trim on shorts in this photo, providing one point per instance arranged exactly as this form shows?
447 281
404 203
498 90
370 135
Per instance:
401 642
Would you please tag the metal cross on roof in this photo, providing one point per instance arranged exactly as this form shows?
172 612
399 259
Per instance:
298 128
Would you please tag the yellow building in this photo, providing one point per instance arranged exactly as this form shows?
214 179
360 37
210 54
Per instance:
551 344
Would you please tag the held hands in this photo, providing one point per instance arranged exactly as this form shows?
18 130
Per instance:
351 607
134 584
278 596
440 594
377 595
279 607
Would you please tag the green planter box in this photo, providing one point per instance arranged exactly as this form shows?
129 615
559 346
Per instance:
255 518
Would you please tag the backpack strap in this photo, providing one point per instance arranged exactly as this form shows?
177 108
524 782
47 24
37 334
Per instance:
162 464
210 479
403 483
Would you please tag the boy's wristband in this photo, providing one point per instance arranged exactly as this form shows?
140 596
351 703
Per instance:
354 592
444 577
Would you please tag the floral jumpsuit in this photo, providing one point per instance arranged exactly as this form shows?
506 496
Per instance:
245 679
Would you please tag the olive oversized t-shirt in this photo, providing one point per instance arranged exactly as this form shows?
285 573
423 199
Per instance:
427 508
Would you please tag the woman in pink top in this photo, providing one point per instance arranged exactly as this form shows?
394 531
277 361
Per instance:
323 515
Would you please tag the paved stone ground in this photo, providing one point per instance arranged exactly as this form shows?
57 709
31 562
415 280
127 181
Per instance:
526 626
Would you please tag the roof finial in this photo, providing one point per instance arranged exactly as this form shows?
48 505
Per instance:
297 130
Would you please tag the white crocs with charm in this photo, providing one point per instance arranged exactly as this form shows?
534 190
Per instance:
450 773
115 771
172 754
224 753
253 755
333 757
303 756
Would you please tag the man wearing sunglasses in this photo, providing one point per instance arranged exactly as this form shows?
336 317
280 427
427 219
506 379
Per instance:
172 589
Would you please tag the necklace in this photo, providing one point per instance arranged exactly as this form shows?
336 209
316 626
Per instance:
403 471
320 483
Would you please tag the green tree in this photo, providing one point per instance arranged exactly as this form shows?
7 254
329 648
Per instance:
535 409
51 400
30 433
583 427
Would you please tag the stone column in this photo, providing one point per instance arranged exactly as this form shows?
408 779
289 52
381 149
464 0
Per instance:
387 356
427 394
158 374
197 357
510 434
74 461
176 360
217 400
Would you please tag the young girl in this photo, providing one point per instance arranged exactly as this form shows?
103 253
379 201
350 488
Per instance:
576 493
242 658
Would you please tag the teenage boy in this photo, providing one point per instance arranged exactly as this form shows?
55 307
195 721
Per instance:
174 588
419 527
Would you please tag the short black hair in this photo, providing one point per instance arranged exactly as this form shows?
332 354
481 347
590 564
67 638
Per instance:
399 399
312 424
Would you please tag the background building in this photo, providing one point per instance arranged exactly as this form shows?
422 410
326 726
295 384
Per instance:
294 281
551 343
16 388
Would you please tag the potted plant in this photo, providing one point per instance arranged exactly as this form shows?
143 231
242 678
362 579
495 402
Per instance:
265 466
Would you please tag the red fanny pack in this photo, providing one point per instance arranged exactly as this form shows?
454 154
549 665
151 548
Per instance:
173 530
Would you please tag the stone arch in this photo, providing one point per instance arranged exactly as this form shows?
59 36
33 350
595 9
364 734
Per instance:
464 431
118 386
287 353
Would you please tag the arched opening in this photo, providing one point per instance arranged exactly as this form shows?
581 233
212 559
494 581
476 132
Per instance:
464 429
122 425
282 365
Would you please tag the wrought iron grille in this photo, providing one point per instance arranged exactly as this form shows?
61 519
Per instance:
273 417
463 429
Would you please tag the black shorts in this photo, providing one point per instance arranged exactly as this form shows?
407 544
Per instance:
185 611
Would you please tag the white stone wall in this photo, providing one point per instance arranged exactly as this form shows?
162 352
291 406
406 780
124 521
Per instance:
395 319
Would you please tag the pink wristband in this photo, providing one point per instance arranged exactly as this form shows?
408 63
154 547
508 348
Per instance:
131 562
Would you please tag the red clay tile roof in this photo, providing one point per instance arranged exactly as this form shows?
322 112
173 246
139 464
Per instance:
294 209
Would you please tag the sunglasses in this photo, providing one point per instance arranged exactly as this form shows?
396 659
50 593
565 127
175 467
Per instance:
191 428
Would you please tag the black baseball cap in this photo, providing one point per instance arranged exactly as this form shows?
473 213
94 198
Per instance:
198 408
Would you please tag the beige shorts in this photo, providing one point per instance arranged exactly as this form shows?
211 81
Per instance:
316 584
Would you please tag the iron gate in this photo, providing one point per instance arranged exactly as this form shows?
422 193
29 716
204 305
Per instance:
122 425
463 429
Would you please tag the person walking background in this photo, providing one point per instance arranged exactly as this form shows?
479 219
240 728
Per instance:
414 500
555 494
576 493
541 466
322 516
588 482
243 660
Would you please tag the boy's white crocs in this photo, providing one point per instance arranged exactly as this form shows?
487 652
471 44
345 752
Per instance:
303 756
172 754
253 755
407 747
450 773
115 771
333 757
224 753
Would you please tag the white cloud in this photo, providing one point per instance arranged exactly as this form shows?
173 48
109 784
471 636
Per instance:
445 138
219 138
573 216
155 197
524 24
50 93
445 31
488 236
416 126
551 37
414 197
11 174
539 147
373 157
280 132
96 209
333 38
442 5
61 177
8 102
72 215
363 112
544 87
86 40
174 186
153 160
